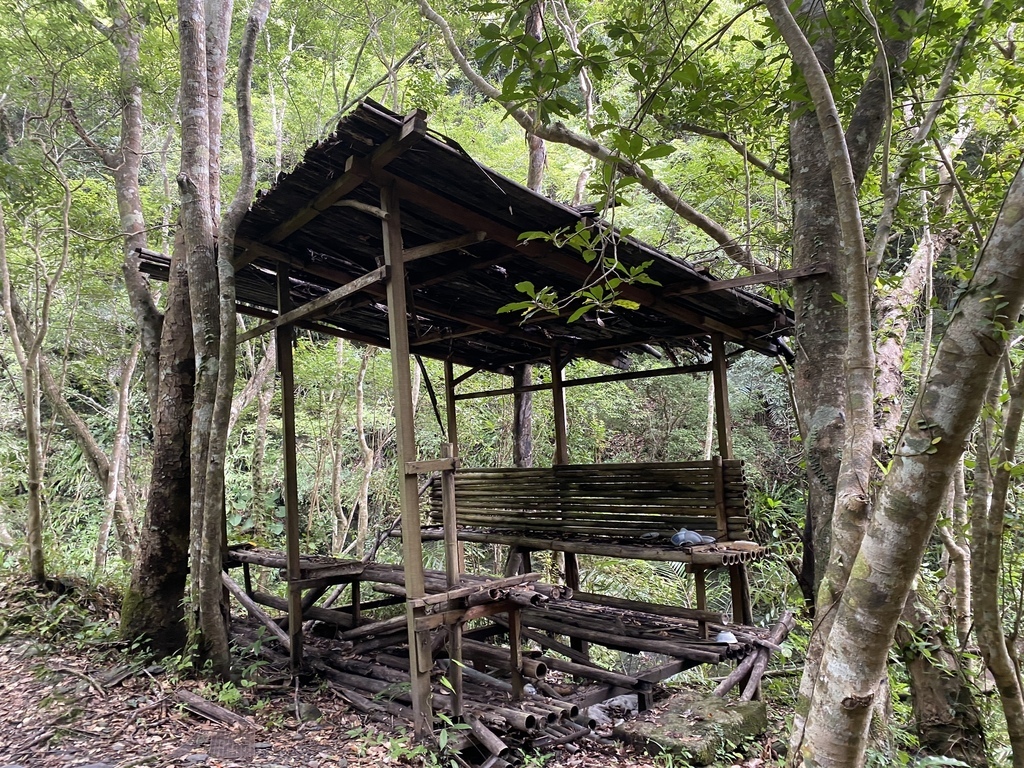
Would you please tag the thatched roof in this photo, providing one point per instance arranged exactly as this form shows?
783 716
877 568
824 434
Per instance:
323 220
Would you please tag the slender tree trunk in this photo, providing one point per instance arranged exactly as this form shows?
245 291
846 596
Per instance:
340 522
118 455
259 442
855 655
363 494
988 510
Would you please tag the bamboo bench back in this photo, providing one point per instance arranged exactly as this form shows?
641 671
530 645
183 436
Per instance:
604 501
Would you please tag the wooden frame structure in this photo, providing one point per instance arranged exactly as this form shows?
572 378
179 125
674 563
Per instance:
390 236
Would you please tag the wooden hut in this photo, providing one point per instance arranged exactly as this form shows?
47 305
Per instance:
389 234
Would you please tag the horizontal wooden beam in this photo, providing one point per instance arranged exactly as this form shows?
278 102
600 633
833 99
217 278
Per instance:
625 376
321 304
432 249
739 282
427 466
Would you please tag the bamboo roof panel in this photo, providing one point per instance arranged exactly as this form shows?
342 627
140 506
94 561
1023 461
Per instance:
455 295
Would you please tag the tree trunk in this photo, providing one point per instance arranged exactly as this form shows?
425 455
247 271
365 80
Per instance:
363 494
339 520
988 511
911 495
946 716
153 603
118 455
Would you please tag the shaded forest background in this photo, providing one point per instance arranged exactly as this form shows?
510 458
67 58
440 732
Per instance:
700 100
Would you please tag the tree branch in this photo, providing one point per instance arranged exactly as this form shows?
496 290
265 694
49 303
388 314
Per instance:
560 134
736 144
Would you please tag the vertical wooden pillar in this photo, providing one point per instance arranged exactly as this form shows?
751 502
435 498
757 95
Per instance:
449 403
570 559
741 608
455 566
723 416
558 397
420 657
700 586
286 368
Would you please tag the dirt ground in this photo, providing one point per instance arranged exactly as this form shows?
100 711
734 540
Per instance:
71 694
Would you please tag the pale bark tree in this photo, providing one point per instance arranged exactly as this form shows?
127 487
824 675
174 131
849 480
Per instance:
996 450
118 460
203 34
854 658
361 507
27 354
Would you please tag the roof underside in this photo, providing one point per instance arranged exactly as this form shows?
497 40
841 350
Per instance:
321 221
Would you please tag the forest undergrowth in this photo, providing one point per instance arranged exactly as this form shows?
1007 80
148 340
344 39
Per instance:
72 693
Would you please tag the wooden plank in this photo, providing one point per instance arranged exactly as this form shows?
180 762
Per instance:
453 244
622 551
321 304
566 383
738 282
426 466
420 659
286 368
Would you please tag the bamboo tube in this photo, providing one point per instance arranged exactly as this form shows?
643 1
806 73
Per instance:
597 674
487 738
633 644
659 610
521 721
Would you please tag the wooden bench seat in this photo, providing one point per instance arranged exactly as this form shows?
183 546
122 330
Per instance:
617 510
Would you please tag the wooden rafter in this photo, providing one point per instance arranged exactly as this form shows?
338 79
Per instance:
453 244
738 282
311 309
555 259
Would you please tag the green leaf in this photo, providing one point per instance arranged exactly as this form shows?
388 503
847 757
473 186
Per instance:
579 313
657 151
515 306
527 287
626 304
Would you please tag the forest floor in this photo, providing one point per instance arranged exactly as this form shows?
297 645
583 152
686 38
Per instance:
72 695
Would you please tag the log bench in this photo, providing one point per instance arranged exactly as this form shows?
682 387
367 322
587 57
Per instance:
627 511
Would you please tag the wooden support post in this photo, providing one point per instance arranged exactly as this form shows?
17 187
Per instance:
741 607
515 644
723 416
570 560
357 607
247 578
450 411
558 398
420 657
701 587
742 612
286 368
454 566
